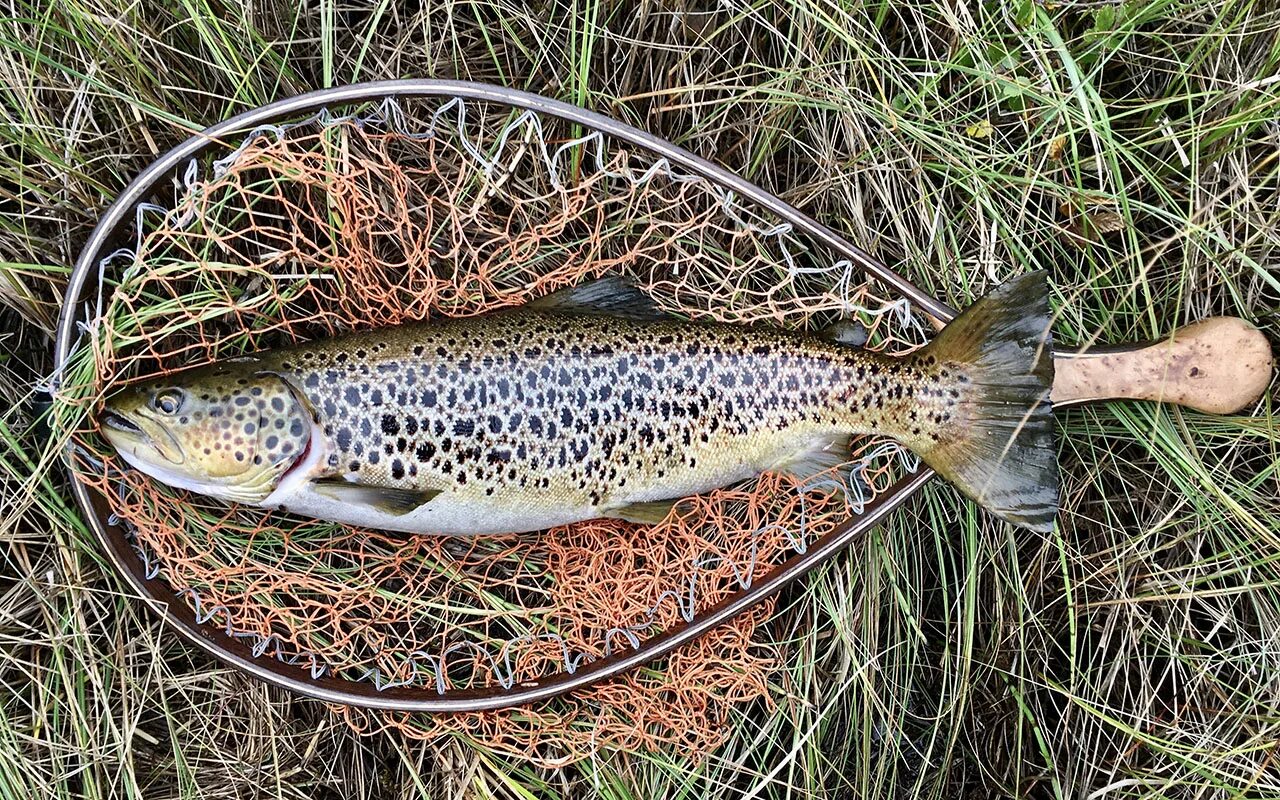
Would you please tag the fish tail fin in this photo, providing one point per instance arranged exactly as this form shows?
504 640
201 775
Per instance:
998 448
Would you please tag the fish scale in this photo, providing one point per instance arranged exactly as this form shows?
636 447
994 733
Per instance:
544 408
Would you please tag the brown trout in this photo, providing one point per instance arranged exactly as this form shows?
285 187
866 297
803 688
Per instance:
591 403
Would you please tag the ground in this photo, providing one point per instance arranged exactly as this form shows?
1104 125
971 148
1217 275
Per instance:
1130 148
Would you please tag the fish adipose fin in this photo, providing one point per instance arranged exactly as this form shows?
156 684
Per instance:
397 502
1000 451
846 331
613 296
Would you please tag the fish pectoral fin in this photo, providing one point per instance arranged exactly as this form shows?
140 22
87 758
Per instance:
846 331
650 513
390 501
613 296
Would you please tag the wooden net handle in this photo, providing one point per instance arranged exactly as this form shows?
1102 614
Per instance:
1219 365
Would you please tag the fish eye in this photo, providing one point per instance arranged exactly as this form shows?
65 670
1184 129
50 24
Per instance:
168 401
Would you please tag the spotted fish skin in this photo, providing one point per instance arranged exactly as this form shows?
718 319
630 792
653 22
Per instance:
526 418
549 412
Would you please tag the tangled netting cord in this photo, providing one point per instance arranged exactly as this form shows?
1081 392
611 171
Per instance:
347 221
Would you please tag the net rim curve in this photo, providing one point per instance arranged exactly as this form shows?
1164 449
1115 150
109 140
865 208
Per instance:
83 284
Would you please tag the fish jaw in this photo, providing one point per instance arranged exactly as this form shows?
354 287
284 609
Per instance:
127 449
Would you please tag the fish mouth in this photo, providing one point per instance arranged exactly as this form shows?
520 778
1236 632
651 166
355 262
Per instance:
122 431
120 423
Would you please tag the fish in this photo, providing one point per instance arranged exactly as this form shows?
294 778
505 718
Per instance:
592 402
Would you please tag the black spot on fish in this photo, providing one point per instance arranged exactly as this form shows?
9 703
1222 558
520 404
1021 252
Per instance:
390 425
344 439
500 456
397 469
249 427
425 451
271 442
295 428
464 427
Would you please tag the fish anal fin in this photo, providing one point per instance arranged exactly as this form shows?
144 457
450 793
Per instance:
819 455
397 502
613 296
650 513
823 455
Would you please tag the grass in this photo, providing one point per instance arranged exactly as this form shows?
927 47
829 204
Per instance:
1130 148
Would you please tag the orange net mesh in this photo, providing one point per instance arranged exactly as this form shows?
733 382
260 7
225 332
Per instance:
333 224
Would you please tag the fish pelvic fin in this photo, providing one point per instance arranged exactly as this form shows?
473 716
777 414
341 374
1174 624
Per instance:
650 513
998 447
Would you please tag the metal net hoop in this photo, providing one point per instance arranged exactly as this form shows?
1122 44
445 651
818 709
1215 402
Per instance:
409 211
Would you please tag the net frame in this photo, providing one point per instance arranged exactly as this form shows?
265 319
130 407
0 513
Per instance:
662 165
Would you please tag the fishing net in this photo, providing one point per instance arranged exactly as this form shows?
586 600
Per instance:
424 209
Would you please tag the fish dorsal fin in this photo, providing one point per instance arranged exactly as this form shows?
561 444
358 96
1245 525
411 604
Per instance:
613 296
845 331
397 502
649 513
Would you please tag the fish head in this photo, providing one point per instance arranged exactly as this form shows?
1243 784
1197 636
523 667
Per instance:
227 431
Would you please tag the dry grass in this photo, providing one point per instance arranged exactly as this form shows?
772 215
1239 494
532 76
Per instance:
1130 148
